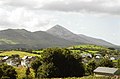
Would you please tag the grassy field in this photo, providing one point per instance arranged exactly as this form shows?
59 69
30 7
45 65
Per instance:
95 47
20 53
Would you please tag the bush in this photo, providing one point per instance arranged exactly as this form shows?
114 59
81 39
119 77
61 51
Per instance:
8 72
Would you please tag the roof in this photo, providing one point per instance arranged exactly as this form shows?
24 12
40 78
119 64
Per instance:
5 58
25 57
106 70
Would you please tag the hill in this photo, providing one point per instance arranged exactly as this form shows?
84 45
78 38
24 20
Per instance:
80 38
57 36
20 38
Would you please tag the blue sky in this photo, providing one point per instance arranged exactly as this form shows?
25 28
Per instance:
95 18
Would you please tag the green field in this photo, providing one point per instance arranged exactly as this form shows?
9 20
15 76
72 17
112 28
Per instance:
20 53
87 46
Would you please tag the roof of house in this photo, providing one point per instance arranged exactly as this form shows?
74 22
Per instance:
5 58
25 57
106 70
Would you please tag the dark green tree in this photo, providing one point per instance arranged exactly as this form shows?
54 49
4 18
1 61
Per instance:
118 63
35 65
59 62
27 72
92 65
1 72
9 71
105 62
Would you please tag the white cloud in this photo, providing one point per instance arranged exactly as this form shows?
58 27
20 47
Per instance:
85 6
23 18
89 6
80 16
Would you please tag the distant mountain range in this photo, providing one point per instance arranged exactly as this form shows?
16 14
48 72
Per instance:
54 37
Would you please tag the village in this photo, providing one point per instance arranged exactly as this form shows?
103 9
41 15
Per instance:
15 60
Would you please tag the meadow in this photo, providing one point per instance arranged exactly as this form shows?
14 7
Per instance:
20 53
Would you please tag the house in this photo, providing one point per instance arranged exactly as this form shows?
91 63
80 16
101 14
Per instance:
84 55
26 60
106 71
13 61
112 58
5 58
98 56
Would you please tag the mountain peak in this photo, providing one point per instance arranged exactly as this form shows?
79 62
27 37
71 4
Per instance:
58 27
59 30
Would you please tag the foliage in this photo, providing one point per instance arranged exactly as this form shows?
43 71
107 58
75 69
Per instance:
59 62
27 72
21 73
92 65
35 65
118 63
8 71
1 72
105 62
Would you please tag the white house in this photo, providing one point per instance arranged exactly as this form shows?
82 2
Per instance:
26 61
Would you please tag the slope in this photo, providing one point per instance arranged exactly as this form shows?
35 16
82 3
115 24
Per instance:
62 32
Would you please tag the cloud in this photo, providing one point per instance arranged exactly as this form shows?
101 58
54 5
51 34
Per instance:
84 6
23 18
30 4
89 6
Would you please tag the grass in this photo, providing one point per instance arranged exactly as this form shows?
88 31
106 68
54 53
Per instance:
93 52
20 53
8 41
94 47
38 51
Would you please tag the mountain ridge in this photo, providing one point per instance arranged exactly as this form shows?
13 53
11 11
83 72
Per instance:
68 35
54 37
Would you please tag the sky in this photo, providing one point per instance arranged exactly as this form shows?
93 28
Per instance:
95 18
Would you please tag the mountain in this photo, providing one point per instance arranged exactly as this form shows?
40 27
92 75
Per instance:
96 41
54 37
62 32
20 38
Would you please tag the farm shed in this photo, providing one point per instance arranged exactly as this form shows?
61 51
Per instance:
106 71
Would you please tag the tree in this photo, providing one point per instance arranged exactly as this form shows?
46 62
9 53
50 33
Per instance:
27 72
59 62
105 62
118 63
35 65
1 72
8 71
92 65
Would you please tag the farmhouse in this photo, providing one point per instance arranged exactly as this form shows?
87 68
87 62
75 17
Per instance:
26 60
106 71
13 60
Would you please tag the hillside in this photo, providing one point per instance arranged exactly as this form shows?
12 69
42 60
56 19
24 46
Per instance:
20 38
57 36
81 39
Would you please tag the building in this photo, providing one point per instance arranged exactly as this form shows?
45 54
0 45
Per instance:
106 71
26 60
